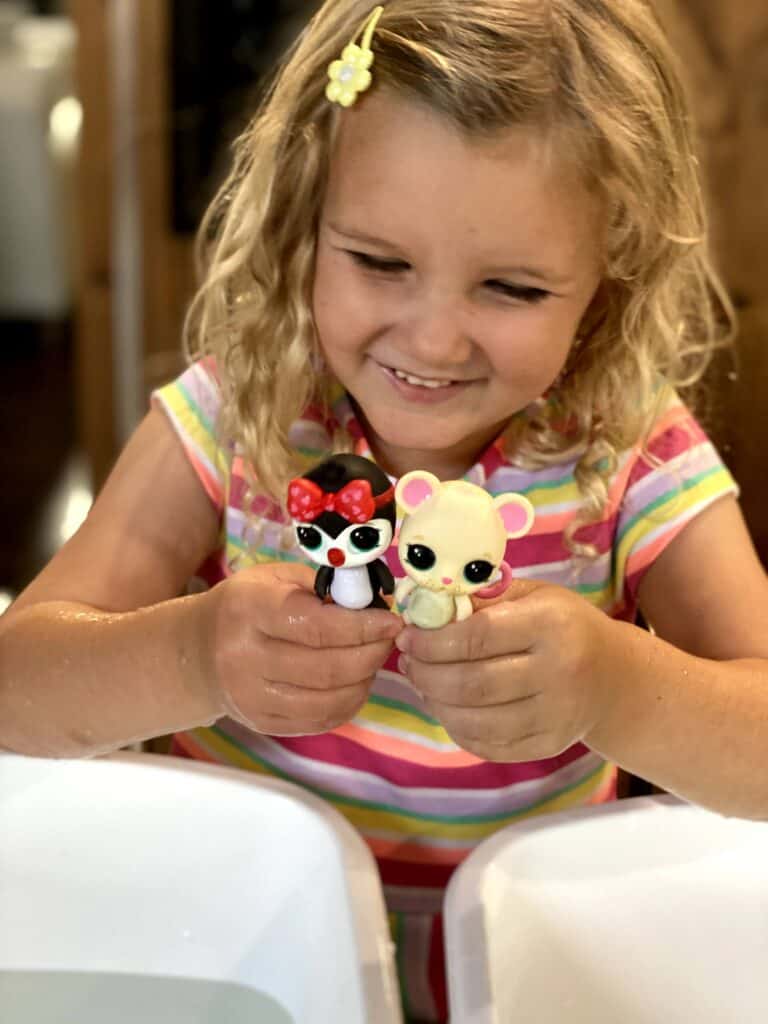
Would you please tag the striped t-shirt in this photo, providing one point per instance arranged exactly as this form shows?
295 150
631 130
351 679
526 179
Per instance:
421 802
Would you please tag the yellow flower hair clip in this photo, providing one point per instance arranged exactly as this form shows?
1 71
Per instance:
351 75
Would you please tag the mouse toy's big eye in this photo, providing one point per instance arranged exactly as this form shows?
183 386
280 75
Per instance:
365 538
420 556
478 572
309 537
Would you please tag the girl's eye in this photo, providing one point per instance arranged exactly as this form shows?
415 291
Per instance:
519 292
478 572
309 537
420 556
365 538
374 263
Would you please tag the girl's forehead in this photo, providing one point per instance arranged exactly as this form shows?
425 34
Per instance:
392 127
397 164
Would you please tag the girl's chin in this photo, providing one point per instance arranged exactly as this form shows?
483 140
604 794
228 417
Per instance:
427 429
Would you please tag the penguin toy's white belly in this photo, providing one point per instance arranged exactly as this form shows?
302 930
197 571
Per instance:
351 588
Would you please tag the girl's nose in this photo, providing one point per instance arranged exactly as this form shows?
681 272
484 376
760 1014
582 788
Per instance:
436 337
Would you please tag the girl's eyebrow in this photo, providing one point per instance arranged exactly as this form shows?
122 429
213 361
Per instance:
543 274
361 237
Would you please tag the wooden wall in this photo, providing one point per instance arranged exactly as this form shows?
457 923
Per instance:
168 274
724 46
93 334
169 277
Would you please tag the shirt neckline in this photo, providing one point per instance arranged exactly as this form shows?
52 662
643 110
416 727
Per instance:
489 460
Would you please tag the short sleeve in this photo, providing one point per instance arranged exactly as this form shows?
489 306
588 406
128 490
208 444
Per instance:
192 403
673 477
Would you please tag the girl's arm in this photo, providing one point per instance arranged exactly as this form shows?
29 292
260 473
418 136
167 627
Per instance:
539 668
99 650
688 707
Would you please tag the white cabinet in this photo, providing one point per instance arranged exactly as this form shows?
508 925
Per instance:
39 131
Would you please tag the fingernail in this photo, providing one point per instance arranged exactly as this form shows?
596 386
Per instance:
402 665
403 641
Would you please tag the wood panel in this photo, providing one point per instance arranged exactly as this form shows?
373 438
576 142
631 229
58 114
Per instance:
93 330
169 277
724 46
167 263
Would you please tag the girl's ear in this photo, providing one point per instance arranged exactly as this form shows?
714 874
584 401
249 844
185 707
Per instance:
516 513
415 488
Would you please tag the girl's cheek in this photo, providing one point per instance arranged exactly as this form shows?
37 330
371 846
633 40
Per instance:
533 343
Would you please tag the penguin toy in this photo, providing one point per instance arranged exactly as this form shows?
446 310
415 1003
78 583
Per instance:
344 515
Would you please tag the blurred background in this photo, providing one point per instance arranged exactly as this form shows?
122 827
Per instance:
115 122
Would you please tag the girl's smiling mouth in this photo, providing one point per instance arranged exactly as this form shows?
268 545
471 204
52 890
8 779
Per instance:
415 388
422 382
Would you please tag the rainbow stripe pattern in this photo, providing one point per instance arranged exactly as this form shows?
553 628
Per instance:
421 803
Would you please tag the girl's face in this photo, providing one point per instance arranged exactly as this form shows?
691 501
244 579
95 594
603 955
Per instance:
451 278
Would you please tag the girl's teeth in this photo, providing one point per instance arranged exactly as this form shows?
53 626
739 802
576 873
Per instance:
421 381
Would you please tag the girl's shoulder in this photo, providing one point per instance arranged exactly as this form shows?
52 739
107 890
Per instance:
675 444
670 478
192 403
195 405
196 400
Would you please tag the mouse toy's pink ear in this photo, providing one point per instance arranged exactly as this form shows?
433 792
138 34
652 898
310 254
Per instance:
516 513
415 488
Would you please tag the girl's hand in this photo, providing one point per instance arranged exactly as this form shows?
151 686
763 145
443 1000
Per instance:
521 679
284 663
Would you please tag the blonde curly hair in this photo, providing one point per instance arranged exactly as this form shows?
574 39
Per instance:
597 76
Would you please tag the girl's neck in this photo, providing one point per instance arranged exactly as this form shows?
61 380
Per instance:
446 464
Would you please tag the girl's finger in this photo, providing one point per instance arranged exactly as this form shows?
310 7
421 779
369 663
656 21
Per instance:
330 669
500 726
293 613
502 628
536 747
281 709
503 680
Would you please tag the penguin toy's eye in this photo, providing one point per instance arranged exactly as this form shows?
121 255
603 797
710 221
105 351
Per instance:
309 537
478 571
420 556
365 538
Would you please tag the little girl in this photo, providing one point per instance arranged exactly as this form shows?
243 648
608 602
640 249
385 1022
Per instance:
475 246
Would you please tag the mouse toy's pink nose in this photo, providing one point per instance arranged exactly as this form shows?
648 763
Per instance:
336 557
447 581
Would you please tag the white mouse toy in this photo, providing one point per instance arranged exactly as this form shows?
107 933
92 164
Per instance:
452 543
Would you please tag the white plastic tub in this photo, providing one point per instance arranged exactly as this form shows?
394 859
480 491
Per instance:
647 911
140 887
